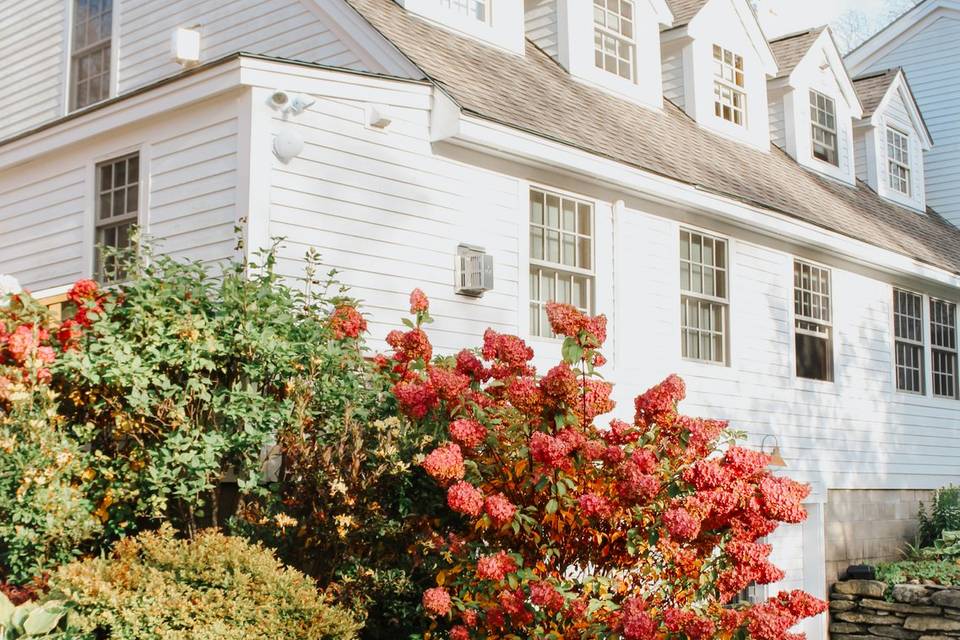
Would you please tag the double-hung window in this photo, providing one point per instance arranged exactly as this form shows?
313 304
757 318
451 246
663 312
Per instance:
704 297
898 161
117 207
90 52
613 36
813 317
943 348
561 256
823 116
908 340
730 100
478 9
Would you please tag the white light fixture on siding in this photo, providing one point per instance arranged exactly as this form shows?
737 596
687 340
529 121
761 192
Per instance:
377 117
185 45
286 102
473 272
287 145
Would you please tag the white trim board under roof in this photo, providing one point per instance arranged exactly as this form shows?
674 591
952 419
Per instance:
913 20
687 12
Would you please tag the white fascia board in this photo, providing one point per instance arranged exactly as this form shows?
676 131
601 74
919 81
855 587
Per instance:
215 80
828 46
505 141
662 11
752 26
899 87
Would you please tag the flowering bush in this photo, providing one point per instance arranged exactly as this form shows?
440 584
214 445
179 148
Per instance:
644 530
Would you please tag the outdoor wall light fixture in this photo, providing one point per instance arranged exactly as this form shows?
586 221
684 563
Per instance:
287 145
776 459
286 102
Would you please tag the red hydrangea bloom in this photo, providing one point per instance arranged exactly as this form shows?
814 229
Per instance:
510 353
703 434
594 506
459 632
565 319
560 386
644 460
418 302
436 601
445 464
69 334
24 341
496 619
596 399
621 433
782 499
689 624
801 604
469 365
769 621
706 474
83 290
464 498
744 463
417 397
500 509
411 345
681 524
599 360
467 433
613 455
514 604
637 623
449 384
596 327
524 394
549 451
572 438
660 402
543 594
346 322
469 618
495 567
593 449
636 487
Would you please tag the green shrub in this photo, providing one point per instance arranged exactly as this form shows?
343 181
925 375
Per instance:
214 587
937 571
942 514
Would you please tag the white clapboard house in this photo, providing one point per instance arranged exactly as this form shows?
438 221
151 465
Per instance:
744 212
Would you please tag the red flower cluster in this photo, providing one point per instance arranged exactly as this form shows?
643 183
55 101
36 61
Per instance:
464 498
495 567
467 433
346 322
445 464
549 451
437 602
594 506
418 302
500 509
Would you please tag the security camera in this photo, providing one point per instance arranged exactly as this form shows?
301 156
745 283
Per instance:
279 99
300 103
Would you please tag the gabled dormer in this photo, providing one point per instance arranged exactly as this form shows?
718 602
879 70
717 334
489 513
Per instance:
813 104
716 62
496 22
891 138
611 44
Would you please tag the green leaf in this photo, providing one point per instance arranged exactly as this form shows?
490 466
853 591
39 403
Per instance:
43 619
552 506
6 610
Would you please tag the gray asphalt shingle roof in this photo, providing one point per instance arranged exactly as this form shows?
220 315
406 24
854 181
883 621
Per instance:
534 93
789 50
872 88
684 10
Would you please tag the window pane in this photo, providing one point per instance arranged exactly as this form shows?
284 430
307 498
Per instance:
812 310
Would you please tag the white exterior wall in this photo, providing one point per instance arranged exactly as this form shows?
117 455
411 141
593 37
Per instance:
928 53
189 176
281 28
540 23
673 80
778 118
33 50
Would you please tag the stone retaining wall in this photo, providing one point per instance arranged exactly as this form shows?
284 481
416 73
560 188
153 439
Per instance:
871 610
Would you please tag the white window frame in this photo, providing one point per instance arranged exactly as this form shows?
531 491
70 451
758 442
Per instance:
542 267
816 325
909 342
948 351
468 8
727 89
902 165
604 35
818 116
70 55
127 219
689 296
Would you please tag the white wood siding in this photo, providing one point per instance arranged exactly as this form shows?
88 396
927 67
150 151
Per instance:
32 48
540 23
929 57
193 183
860 155
673 80
282 28
778 122
41 226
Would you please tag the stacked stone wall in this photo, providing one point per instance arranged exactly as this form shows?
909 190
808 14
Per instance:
871 610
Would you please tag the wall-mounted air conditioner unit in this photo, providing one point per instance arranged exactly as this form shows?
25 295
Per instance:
473 275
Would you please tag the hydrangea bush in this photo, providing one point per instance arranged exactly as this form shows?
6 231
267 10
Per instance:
640 530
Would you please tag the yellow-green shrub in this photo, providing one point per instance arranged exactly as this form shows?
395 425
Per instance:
214 587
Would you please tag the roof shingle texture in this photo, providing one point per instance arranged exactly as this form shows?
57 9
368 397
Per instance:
790 50
535 94
684 10
872 88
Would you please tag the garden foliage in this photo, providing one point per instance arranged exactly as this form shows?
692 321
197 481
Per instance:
644 530
942 514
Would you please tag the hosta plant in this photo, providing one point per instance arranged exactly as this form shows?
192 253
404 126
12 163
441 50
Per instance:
31 620
638 530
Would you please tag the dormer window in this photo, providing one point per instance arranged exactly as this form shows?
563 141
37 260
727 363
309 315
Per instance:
898 160
613 36
823 117
730 99
476 9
